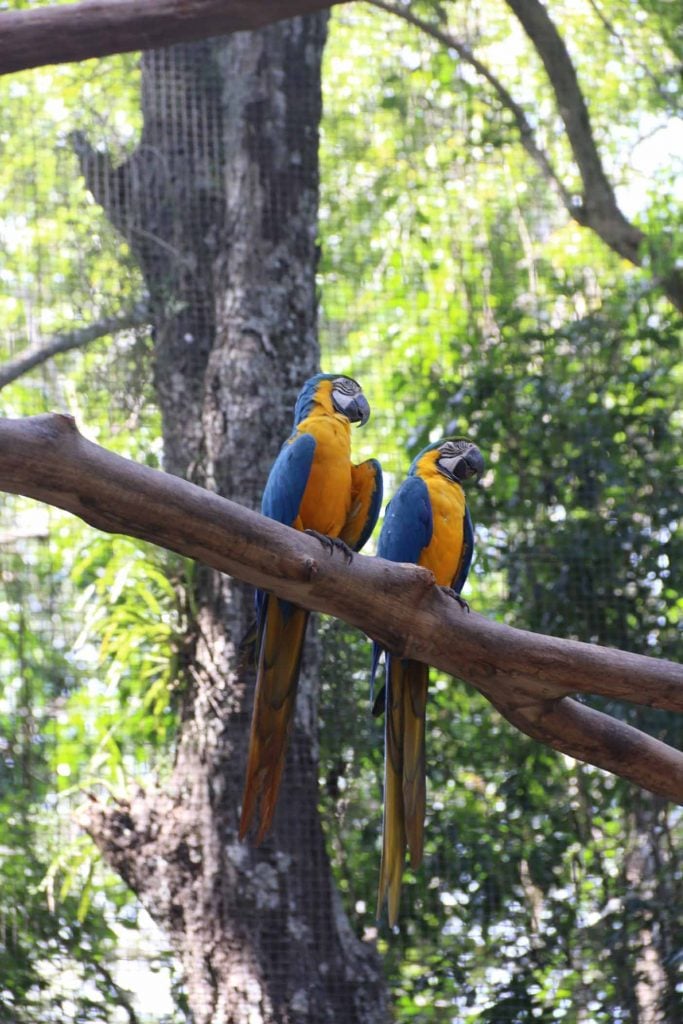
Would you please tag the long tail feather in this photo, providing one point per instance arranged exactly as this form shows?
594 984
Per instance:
404 777
276 685
415 684
393 833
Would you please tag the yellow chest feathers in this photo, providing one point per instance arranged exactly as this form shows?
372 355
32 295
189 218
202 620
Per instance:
443 553
327 498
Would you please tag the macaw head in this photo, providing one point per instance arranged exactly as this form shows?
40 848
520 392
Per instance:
457 458
334 393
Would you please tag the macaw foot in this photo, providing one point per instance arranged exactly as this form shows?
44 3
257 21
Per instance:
331 543
461 600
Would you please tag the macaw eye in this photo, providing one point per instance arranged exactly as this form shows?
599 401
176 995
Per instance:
348 398
452 448
460 459
346 386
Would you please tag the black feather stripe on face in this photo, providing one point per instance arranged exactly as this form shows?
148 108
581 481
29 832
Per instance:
348 399
347 385
459 459
450 448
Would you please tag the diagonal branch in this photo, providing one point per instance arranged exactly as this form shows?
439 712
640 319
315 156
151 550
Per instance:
508 102
41 351
120 995
94 28
527 676
597 208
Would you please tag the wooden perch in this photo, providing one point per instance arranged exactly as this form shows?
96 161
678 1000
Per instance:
93 28
527 676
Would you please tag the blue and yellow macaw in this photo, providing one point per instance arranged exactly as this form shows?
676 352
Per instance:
427 522
312 486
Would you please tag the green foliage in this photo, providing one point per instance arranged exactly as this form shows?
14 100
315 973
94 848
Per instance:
456 290
90 632
496 318
134 624
55 942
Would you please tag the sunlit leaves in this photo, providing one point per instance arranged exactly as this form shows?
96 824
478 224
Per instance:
465 300
493 314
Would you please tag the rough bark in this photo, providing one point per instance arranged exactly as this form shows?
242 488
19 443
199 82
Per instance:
527 676
650 915
219 205
93 28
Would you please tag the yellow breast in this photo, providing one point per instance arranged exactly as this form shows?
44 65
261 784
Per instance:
443 553
327 498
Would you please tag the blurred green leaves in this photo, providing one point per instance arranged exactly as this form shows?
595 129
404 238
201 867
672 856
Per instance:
446 259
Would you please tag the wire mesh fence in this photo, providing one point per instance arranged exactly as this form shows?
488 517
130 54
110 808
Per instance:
453 287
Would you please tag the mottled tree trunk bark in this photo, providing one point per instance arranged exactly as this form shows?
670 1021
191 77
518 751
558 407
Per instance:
219 205
651 914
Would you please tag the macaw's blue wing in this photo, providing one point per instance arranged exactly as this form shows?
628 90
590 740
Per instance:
463 569
282 641
408 523
407 529
366 501
288 478
281 629
283 494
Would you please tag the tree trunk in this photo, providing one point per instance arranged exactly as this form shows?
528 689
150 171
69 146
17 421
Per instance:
219 205
651 915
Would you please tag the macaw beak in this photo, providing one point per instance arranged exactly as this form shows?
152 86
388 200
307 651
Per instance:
475 461
355 409
359 410
469 464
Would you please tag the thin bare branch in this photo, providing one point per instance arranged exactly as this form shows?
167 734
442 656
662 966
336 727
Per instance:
8 538
121 996
526 131
597 208
631 58
94 28
529 677
41 351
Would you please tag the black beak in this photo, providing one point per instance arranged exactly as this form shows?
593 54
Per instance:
358 410
470 464
475 460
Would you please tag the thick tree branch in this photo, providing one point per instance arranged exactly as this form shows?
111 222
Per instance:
527 676
599 209
93 28
41 351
